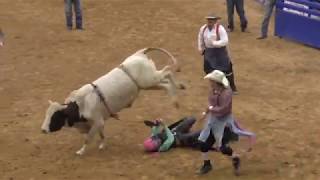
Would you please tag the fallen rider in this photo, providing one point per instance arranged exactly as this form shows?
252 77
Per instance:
178 134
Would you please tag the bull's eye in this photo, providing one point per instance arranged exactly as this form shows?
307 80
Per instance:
57 121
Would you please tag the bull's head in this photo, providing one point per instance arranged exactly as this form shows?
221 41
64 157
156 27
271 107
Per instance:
58 115
55 117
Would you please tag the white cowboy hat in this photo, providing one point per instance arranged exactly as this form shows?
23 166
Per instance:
218 76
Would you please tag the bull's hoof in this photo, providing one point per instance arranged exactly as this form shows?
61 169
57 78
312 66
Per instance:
80 152
101 146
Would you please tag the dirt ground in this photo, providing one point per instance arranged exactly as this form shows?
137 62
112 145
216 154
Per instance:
41 60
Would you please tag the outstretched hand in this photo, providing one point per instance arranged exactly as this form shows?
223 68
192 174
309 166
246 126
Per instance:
203 115
149 123
160 121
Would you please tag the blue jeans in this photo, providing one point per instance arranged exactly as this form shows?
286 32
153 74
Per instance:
240 10
68 10
215 126
269 5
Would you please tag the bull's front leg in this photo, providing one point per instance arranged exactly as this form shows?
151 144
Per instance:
92 132
102 138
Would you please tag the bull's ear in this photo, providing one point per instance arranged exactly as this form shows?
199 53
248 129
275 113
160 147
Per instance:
50 102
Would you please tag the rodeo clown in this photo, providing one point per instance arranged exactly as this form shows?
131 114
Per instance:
218 115
212 45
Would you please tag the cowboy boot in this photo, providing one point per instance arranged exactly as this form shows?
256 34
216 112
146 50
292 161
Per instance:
236 165
206 167
230 78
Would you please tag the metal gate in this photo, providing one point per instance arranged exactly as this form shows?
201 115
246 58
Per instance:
298 20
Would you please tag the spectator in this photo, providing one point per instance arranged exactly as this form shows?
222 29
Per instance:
240 10
76 4
212 44
269 5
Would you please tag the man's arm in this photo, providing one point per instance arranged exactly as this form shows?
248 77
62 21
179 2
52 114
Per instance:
168 142
155 130
201 45
223 38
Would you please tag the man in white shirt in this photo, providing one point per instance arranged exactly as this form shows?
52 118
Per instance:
212 44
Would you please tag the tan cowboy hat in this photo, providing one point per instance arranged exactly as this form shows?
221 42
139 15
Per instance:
212 16
218 76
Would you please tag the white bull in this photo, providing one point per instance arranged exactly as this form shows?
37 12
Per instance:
88 107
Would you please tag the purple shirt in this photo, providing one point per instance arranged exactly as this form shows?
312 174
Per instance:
221 100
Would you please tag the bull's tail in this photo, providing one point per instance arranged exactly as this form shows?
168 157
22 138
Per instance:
173 59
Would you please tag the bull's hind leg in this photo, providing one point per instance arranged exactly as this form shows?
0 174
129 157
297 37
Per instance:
171 90
167 82
176 83
165 73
